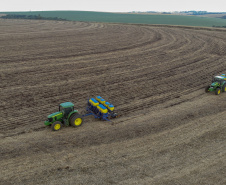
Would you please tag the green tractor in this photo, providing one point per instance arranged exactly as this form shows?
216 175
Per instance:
67 115
218 85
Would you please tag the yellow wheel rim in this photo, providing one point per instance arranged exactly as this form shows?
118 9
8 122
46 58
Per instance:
225 89
219 91
78 121
57 126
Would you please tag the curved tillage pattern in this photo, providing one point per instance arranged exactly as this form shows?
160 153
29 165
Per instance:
135 67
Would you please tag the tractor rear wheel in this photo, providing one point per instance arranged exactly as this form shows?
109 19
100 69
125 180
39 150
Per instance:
224 88
56 126
207 89
72 117
76 120
218 91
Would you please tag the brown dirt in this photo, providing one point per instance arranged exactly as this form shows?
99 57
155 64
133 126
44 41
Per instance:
170 131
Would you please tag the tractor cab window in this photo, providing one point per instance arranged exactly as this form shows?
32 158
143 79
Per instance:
67 111
60 108
216 80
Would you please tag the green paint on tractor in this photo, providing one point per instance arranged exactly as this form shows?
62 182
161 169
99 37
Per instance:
218 85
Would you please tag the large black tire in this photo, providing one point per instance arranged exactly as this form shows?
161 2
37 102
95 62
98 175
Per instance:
56 126
72 117
207 89
76 120
218 91
224 88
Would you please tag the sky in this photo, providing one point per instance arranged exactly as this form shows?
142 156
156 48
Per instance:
113 5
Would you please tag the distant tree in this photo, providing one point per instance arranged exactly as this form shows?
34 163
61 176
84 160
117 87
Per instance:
37 17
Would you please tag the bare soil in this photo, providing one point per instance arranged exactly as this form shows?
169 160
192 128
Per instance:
170 131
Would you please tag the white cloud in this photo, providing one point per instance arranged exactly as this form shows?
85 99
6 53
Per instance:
114 5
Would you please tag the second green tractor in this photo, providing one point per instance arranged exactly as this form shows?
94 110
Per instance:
218 85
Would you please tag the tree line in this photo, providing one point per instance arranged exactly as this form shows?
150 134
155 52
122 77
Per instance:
37 17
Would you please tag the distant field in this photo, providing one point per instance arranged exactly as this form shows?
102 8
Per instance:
129 18
212 15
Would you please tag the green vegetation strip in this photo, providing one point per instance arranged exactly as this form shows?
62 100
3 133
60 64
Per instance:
38 17
127 18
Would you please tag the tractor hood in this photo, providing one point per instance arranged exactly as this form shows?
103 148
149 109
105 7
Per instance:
54 114
215 84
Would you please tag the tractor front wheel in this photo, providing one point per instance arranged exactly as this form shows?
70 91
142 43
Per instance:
218 91
207 89
76 120
56 126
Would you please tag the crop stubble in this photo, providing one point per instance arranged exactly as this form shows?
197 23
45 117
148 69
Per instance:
154 75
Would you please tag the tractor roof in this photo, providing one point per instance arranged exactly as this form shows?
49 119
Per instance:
220 77
66 104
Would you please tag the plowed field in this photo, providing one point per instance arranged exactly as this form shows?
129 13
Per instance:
170 131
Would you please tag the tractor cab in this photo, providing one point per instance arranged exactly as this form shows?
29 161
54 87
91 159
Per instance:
218 85
66 108
218 79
